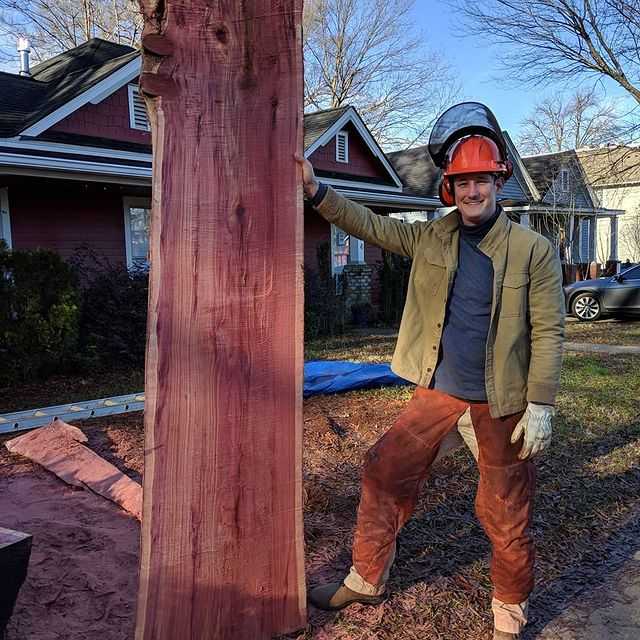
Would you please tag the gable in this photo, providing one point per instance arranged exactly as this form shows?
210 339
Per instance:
555 188
362 163
109 119
367 164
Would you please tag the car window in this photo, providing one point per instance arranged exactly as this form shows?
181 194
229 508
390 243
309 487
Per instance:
632 274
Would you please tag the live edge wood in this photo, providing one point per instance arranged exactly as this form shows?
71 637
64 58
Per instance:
222 540
15 550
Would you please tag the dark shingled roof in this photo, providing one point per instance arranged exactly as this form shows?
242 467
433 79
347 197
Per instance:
315 124
26 100
419 175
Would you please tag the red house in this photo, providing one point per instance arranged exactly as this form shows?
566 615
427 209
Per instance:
75 162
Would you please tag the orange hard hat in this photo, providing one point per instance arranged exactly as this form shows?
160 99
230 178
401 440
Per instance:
471 154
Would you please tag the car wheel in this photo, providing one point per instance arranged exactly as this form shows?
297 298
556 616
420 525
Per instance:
586 307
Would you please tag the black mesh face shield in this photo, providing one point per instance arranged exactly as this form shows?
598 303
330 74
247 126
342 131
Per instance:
464 119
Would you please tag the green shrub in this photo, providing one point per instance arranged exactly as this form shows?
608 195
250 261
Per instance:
39 313
113 320
394 280
324 299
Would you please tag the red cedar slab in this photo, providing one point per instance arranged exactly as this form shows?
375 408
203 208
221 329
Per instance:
222 540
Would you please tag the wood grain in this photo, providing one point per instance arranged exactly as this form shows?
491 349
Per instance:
222 541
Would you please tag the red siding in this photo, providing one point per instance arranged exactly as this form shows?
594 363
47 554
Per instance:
65 215
316 231
362 162
108 119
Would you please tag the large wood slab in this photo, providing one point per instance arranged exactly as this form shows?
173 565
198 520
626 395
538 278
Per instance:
59 448
222 542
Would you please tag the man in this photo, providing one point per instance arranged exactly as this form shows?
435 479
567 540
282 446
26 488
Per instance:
481 335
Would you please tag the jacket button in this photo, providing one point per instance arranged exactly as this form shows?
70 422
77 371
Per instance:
435 348
429 370
439 325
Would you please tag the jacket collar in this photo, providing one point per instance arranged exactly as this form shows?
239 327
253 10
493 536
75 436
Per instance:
490 244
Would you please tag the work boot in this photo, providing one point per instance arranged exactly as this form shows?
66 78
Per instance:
504 635
335 596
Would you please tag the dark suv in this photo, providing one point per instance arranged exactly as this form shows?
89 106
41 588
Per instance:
588 300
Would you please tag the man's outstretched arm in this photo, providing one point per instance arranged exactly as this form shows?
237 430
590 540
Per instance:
355 219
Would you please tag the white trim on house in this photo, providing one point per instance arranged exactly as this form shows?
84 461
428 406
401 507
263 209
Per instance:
95 94
355 183
342 157
410 202
129 202
59 147
5 217
132 93
351 115
76 166
77 176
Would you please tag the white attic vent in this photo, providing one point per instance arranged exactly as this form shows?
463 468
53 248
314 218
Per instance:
138 118
342 147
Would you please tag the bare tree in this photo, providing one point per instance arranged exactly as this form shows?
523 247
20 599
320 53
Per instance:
368 55
558 123
566 40
54 26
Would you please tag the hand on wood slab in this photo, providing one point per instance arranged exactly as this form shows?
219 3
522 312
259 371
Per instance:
309 182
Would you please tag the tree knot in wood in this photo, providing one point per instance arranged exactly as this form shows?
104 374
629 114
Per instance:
222 34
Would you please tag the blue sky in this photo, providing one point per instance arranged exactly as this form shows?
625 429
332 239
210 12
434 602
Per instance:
477 66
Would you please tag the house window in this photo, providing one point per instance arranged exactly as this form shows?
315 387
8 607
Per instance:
137 216
342 147
339 249
564 179
138 118
345 249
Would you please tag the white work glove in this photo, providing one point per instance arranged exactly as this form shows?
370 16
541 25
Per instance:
536 426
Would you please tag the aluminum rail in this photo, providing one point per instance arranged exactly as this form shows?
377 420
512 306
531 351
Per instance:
21 420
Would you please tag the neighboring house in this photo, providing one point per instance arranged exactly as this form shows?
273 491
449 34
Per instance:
614 175
568 211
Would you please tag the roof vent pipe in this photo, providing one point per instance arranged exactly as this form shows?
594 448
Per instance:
24 48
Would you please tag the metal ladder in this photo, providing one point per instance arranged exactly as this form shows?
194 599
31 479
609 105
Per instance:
21 420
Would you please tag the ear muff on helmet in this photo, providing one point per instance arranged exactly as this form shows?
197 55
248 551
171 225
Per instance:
445 192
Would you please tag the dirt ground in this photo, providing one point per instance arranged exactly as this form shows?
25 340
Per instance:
83 575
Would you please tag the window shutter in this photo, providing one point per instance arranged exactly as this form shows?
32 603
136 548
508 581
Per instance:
584 240
138 110
342 147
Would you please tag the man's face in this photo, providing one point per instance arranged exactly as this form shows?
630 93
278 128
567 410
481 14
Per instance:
475 196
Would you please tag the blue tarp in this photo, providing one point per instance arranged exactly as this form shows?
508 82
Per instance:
334 376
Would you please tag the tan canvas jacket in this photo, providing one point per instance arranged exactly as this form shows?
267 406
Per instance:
524 345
